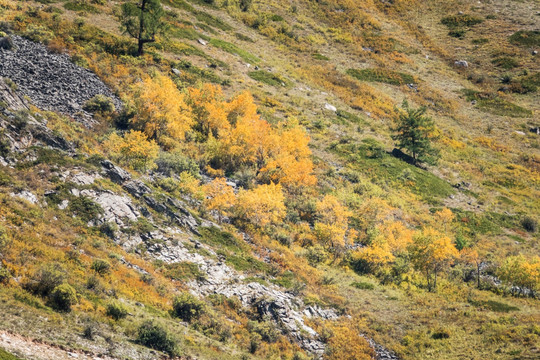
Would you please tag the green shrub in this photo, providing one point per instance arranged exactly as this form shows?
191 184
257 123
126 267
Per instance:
155 336
99 104
529 224
101 267
85 208
440 334
265 329
174 163
381 75
46 279
316 255
63 297
526 37
187 307
116 311
38 33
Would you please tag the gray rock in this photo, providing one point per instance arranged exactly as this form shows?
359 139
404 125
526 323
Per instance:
136 188
330 107
115 173
176 72
202 42
26 195
461 63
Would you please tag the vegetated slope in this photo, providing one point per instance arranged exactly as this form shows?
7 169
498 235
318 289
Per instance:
344 245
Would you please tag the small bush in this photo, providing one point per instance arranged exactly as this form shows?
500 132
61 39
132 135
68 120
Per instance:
316 255
440 334
99 104
63 297
505 62
5 275
85 208
46 279
101 267
265 329
529 224
155 336
187 307
116 311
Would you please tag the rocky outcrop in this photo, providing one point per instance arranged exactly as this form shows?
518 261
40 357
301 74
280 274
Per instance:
50 80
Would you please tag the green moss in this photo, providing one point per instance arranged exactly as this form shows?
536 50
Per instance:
269 78
526 38
381 75
235 50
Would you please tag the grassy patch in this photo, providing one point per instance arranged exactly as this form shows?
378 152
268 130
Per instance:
526 38
494 306
235 50
179 4
505 62
80 6
460 20
350 117
4 355
183 271
243 37
247 263
495 105
381 75
213 21
480 41
318 56
370 159
188 33
268 78
363 285
197 73
222 239
531 82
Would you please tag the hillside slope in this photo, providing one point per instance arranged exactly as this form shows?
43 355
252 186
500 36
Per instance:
235 192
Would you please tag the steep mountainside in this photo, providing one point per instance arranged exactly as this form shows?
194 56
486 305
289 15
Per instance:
238 191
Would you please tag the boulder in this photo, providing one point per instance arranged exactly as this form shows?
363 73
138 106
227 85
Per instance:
461 63
330 107
136 188
115 173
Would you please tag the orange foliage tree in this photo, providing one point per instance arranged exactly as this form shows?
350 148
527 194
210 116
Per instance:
162 113
262 206
219 197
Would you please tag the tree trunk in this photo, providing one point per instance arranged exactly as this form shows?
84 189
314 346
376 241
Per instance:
140 50
478 275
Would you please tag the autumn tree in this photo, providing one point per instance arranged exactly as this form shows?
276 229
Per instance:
219 197
432 252
142 21
414 133
162 112
209 110
133 149
521 272
347 344
262 206
332 222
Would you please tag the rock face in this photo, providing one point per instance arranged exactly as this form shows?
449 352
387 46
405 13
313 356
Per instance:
50 80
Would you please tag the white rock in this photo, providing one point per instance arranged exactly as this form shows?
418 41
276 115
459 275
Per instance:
202 42
330 107
26 195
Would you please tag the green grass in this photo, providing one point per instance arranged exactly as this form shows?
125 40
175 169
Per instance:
269 78
235 50
188 33
318 56
179 4
4 355
505 62
196 73
493 104
370 160
77 6
248 263
381 75
212 21
363 285
222 239
244 37
526 38
183 271
531 82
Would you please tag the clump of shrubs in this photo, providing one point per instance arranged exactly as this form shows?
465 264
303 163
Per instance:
529 224
63 297
46 279
99 104
101 267
155 336
116 311
187 307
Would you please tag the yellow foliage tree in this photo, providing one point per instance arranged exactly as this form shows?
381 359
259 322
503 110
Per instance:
347 344
521 272
444 217
162 113
262 206
219 197
333 222
432 252
209 109
133 149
